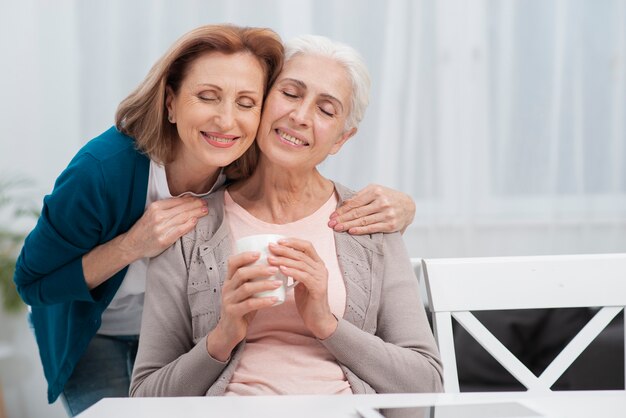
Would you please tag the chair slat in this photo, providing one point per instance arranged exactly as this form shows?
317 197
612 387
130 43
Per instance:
445 339
498 351
578 344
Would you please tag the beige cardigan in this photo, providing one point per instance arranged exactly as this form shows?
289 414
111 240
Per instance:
383 343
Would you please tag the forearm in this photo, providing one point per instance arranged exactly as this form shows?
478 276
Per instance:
191 374
65 284
400 354
103 261
387 367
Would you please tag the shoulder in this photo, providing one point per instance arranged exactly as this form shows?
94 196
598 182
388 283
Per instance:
343 192
372 242
111 156
111 146
210 233
207 226
107 169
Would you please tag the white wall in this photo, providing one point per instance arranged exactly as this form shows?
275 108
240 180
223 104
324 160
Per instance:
21 373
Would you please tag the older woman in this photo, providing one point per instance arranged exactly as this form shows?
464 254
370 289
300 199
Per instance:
134 190
354 324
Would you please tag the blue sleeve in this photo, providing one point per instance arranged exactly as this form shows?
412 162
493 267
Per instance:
49 269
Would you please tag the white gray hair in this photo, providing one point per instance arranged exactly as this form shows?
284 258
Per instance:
345 55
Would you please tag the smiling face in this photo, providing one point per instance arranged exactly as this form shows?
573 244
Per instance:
305 113
216 110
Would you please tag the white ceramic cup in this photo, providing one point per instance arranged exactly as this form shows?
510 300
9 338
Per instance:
260 243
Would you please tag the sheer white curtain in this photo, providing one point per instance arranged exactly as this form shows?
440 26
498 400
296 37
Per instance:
508 125
503 119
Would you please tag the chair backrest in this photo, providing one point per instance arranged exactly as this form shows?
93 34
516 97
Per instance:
417 268
457 286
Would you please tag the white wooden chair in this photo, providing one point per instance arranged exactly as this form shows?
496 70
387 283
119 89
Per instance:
458 286
417 268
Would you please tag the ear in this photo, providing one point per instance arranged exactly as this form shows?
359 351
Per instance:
342 140
169 104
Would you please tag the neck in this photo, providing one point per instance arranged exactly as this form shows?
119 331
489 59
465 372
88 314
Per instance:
276 195
182 178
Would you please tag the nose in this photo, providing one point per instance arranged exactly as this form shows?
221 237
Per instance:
301 114
225 118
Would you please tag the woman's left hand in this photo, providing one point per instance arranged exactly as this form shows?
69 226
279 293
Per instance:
374 209
298 259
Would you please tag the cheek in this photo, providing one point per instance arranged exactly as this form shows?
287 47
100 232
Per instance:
252 123
191 114
275 107
330 134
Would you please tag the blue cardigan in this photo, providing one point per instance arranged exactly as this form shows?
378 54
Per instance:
100 195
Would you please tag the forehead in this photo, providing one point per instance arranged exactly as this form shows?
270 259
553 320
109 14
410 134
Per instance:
321 75
241 68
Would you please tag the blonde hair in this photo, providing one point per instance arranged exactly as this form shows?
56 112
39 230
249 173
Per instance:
143 116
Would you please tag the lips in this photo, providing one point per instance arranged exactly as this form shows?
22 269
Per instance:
291 139
219 140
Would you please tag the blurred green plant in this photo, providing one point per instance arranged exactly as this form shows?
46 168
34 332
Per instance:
13 208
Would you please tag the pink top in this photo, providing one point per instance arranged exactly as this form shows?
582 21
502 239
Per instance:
281 355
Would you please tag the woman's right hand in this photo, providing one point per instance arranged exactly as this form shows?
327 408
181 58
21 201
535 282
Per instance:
238 302
162 224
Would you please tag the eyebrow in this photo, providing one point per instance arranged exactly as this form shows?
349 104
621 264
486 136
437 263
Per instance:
327 96
216 87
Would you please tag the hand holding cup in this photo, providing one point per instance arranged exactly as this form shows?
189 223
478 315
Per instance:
260 243
238 302
298 258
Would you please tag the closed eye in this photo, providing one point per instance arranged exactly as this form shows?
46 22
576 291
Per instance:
290 95
327 113
207 98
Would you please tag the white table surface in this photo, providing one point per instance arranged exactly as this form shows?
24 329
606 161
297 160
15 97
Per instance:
566 404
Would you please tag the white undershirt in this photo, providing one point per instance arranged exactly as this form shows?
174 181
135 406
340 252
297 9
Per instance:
123 315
